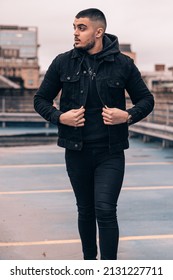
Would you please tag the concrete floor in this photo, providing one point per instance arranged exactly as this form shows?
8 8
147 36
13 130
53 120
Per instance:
38 218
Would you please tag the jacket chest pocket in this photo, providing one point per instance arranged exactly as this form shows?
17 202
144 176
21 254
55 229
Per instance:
116 84
70 89
116 93
70 82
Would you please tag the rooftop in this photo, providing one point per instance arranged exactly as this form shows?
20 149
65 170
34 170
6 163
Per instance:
125 47
16 27
6 83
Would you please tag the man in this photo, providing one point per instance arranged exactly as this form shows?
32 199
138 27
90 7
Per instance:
93 124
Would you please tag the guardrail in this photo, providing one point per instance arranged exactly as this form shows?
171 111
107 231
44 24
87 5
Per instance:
162 114
6 118
158 124
16 104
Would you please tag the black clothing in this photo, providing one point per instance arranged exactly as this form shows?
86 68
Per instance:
115 73
96 177
94 153
94 129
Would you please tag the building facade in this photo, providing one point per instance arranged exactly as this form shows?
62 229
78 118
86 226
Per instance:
159 80
19 55
126 49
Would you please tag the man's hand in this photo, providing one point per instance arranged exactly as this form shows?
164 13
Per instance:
113 116
74 117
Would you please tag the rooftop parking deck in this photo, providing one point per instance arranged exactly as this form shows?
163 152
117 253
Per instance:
38 212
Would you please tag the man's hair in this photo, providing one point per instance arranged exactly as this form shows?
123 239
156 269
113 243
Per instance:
93 14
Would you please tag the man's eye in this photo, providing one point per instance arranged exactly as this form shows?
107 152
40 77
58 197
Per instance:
82 28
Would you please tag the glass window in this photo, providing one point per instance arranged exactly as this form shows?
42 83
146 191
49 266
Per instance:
23 40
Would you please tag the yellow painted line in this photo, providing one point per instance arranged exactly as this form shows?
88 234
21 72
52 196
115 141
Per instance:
147 237
34 243
33 165
150 163
37 192
63 164
70 190
147 188
74 241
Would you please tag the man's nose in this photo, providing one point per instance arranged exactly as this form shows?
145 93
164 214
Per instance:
76 33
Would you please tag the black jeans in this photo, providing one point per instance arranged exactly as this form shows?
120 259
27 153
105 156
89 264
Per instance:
96 177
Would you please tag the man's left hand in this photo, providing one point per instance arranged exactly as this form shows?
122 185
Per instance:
113 116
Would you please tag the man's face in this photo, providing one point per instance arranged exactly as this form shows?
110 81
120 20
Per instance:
84 33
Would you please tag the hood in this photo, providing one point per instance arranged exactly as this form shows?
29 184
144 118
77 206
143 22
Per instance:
110 46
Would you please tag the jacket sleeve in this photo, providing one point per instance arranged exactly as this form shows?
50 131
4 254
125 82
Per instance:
140 96
48 90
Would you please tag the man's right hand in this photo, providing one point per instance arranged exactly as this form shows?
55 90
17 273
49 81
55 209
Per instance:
74 117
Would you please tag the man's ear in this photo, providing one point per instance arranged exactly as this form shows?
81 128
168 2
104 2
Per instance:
99 32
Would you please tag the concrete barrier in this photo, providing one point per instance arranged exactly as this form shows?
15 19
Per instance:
149 130
6 118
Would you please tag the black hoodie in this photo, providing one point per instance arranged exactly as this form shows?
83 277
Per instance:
95 132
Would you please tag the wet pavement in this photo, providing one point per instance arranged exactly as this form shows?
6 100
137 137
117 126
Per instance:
38 217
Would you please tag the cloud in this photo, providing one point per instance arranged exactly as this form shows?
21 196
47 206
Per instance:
145 24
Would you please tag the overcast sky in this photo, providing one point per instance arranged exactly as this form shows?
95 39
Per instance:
146 24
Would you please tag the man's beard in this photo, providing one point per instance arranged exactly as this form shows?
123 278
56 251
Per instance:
88 47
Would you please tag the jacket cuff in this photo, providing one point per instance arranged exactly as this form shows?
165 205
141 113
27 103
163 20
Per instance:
55 117
135 114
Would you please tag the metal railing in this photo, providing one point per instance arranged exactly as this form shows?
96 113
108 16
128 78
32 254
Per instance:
23 105
16 104
162 114
19 110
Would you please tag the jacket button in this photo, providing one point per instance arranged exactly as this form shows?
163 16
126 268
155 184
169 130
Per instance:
68 78
84 72
81 91
117 83
76 145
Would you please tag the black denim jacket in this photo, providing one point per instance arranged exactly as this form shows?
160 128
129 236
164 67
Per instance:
116 74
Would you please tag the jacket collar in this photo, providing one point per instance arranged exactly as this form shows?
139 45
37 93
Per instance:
76 54
111 47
